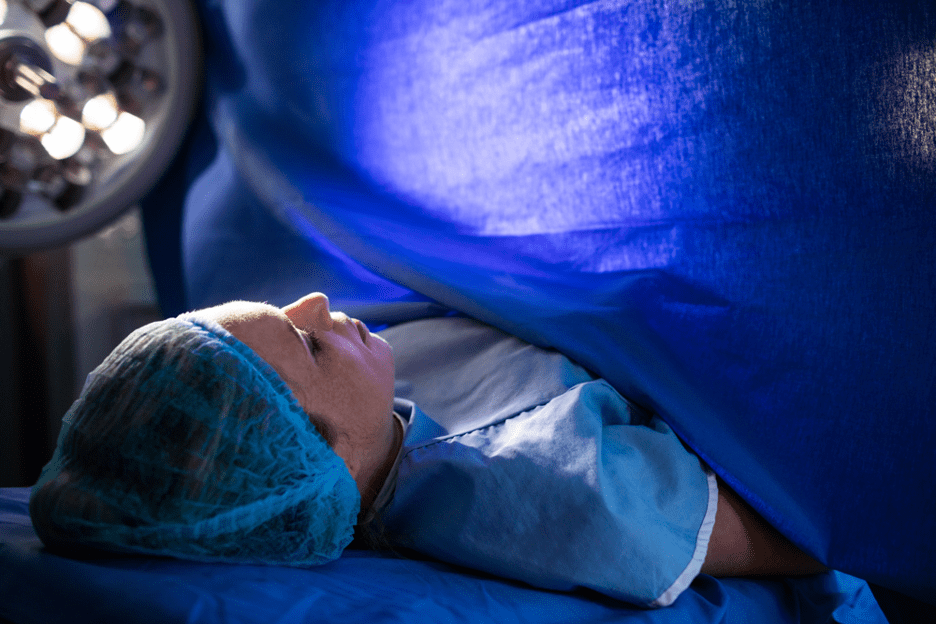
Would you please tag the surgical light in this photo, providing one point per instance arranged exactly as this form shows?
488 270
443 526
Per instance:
38 116
88 22
65 44
64 139
125 134
95 96
83 25
100 112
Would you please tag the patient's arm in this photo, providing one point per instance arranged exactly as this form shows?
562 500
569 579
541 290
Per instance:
743 544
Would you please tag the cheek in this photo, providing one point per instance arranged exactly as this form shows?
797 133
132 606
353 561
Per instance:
376 400
386 369
380 389
363 391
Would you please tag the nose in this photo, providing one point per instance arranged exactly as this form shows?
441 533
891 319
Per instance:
311 312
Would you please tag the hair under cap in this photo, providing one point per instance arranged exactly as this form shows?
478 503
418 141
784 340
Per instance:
185 443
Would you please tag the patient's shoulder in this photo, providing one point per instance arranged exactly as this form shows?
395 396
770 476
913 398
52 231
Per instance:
458 370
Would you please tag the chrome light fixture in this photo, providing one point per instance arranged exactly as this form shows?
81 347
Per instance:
95 97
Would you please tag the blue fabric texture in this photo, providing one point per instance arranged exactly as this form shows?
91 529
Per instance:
722 208
518 462
184 443
37 586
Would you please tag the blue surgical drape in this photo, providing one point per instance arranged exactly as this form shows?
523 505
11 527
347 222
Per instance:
723 208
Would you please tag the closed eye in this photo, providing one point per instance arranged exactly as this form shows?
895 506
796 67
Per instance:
309 339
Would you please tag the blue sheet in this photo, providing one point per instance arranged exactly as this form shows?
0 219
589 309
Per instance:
723 208
38 587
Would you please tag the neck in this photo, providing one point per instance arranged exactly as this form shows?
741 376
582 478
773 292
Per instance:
376 482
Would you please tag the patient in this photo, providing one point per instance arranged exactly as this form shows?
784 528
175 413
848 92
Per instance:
255 434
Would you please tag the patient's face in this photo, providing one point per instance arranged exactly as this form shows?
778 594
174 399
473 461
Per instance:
341 374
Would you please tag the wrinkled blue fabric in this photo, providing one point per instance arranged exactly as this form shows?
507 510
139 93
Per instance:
518 462
722 208
36 586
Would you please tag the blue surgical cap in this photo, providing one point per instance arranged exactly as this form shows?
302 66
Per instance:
185 443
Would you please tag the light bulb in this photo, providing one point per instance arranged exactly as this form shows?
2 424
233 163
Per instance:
65 44
99 112
38 116
64 139
125 134
88 22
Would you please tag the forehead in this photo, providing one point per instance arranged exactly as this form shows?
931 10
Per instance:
242 311
267 331
262 327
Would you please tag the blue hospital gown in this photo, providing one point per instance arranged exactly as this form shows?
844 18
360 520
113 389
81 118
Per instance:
518 462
